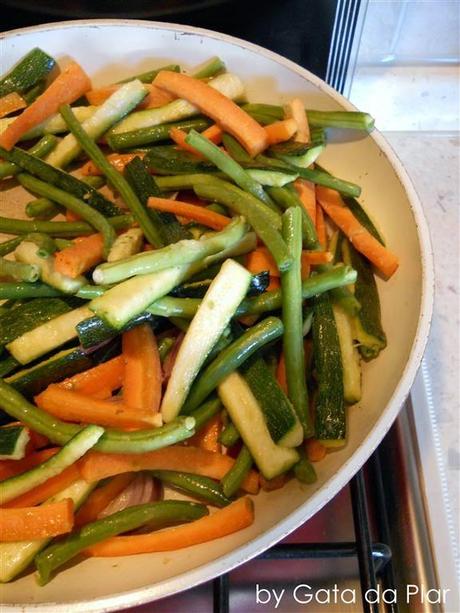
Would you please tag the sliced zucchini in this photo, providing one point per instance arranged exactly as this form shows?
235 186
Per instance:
197 289
13 441
47 336
212 317
31 381
330 422
93 331
272 178
126 244
350 356
282 422
119 104
246 414
54 125
27 316
31 69
28 252
16 557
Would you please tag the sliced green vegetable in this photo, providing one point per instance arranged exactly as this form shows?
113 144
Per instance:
53 125
195 485
13 442
210 68
94 330
63 229
39 150
149 75
155 134
231 482
31 68
18 271
350 356
229 435
197 289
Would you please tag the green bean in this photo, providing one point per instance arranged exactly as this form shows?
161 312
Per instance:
88 292
147 77
156 514
62 229
70 202
115 178
242 203
9 246
112 441
229 435
195 485
7 366
229 166
291 293
43 209
304 470
14 291
18 271
324 178
231 482
40 149
210 69
154 134
335 277
234 148
231 358
286 197
164 346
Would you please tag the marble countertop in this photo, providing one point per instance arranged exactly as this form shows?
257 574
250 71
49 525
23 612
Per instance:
432 161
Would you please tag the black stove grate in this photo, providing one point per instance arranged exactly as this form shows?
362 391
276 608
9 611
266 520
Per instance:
374 558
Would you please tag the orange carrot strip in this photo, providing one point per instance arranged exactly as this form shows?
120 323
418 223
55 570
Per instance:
118 161
178 136
315 450
202 215
100 498
316 257
11 468
105 376
10 103
281 131
237 516
71 216
46 490
30 523
295 109
306 191
320 227
260 260
155 97
305 270
97 466
72 83
76 407
382 258
208 437
274 284
80 256
142 369
221 109
269 485
281 374
214 133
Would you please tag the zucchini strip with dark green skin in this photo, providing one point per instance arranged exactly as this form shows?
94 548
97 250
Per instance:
70 202
197 289
330 421
56 178
291 293
113 176
156 514
112 441
28 71
39 150
231 358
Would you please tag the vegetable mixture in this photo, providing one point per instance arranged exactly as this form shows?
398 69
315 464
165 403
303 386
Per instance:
186 306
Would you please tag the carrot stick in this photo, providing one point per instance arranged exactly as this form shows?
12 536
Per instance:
281 131
305 270
202 215
306 191
382 258
260 260
30 523
281 374
208 437
76 407
316 257
72 83
106 376
237 516
11 468
315 450
295 109
10 103
221 109
71 216
274 284
82 255
321 227
44 491
142 369
269 485
101 497
118 161
97 466
214 133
